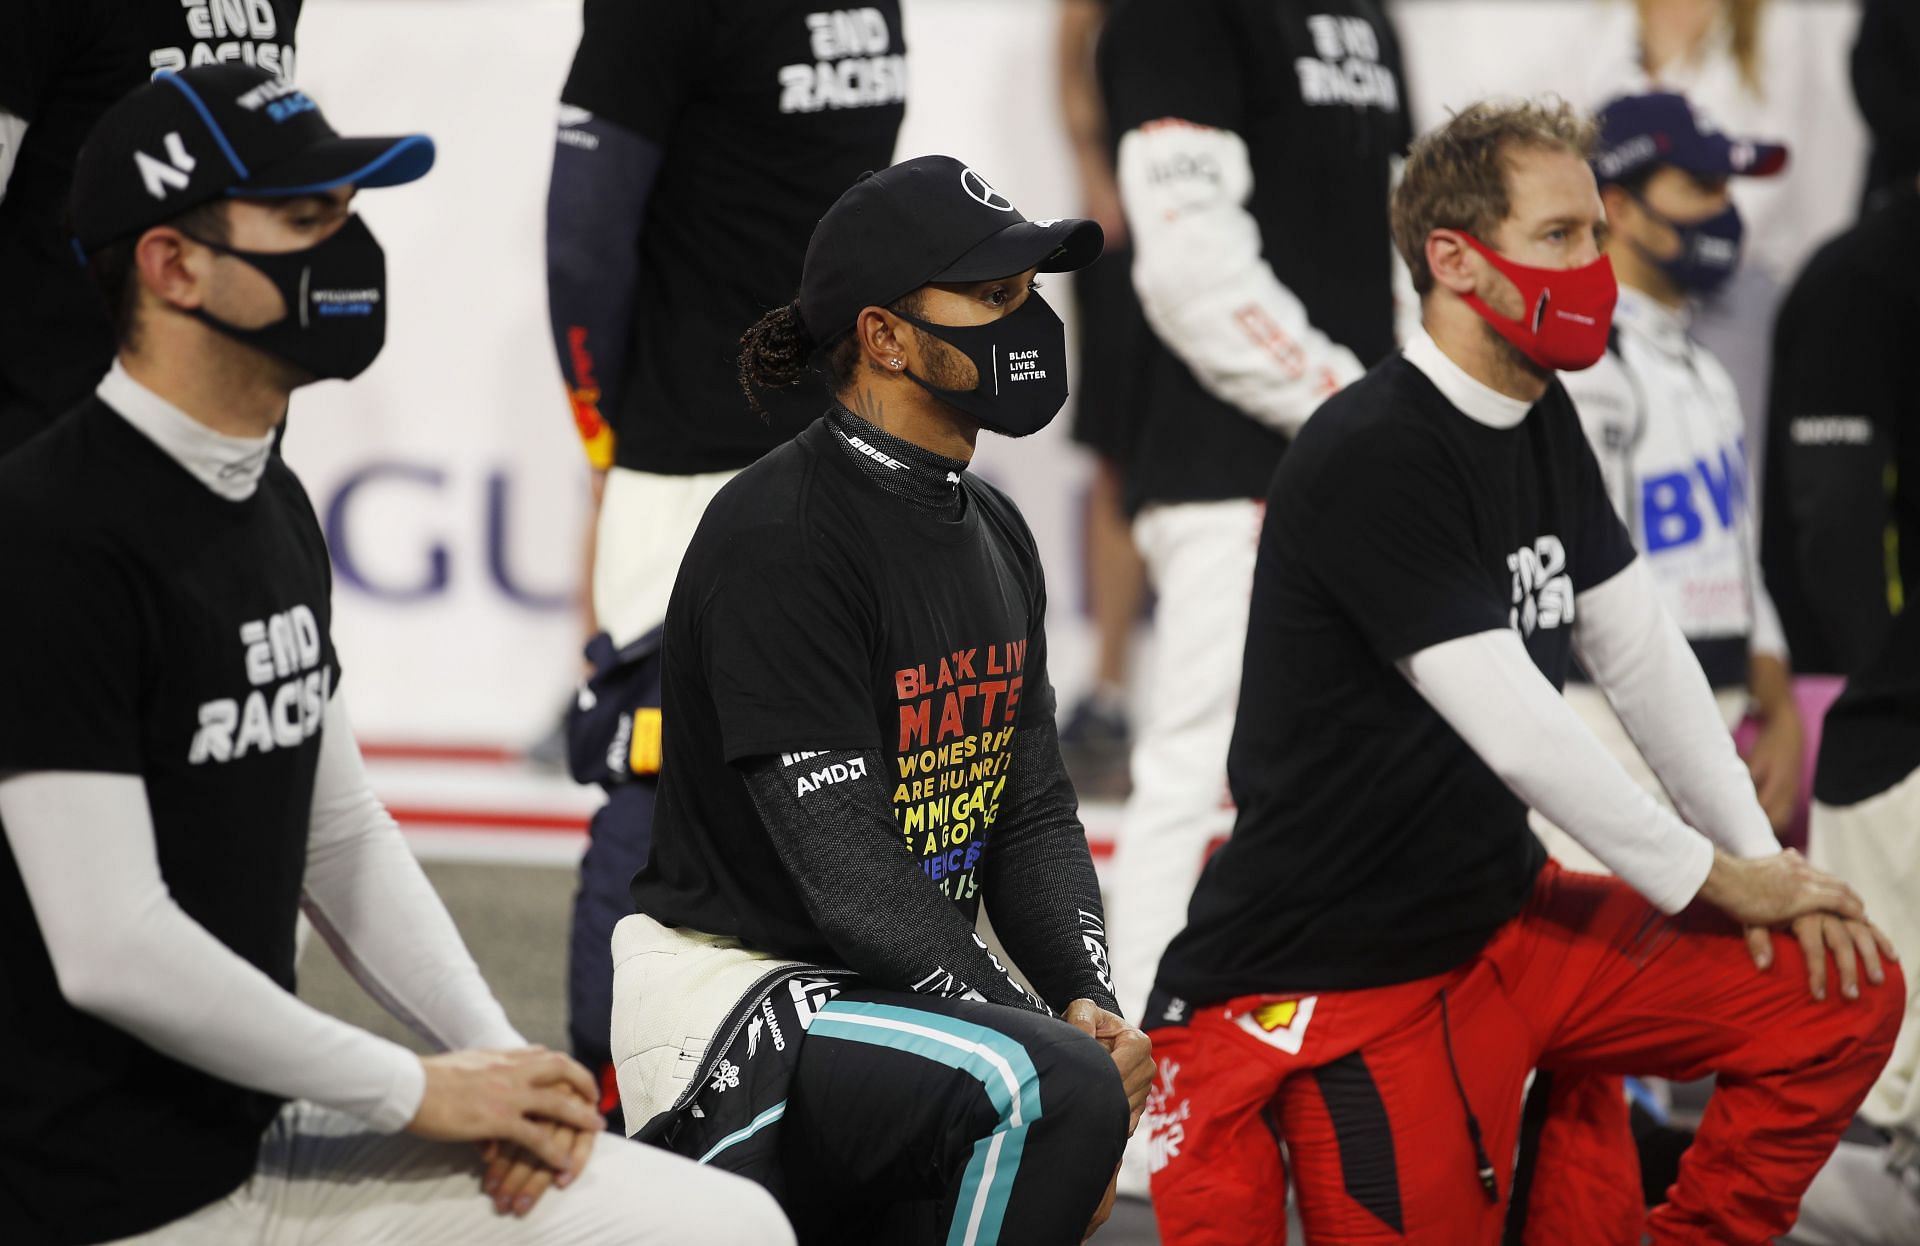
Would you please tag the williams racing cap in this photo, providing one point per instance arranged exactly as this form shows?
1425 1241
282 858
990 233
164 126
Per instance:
925 220
1662 128
183 139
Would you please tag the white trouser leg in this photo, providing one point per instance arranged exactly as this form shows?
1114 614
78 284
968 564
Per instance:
1875 847
646 524
1199 559
326 1180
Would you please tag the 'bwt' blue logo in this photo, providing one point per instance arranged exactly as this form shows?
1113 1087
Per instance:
1668 514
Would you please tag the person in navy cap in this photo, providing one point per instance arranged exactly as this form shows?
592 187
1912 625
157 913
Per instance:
179 778
1665 422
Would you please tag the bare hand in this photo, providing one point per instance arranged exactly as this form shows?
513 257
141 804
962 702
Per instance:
1775 890
1105 1208
511 1096
1131 1050
1775 763
515 1179
1852 942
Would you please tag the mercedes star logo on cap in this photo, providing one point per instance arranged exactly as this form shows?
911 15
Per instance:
982 192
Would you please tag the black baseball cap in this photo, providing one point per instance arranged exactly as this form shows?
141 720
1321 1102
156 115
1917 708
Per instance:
183 139
924 220
1663 128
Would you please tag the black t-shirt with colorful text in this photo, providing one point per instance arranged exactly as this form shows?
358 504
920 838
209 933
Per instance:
766 110
62 64
817 612
157 630
1372 845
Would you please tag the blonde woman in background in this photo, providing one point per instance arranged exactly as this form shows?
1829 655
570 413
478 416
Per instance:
1749 67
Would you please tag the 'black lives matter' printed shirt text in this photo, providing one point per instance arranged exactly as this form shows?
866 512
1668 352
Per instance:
815 612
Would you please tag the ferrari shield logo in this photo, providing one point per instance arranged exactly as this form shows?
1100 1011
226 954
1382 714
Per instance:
1282 1024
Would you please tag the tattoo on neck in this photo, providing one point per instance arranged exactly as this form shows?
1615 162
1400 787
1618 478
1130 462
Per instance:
867 405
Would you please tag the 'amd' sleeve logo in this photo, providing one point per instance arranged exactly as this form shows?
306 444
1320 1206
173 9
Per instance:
1542 589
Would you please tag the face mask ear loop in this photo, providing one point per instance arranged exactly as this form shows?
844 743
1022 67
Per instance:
1659 218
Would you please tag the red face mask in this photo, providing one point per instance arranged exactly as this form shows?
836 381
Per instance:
1569 310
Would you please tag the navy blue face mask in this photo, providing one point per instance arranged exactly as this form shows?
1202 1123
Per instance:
1709 249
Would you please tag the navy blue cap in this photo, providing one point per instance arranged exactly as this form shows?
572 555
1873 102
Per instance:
923 220
1663 128
184 139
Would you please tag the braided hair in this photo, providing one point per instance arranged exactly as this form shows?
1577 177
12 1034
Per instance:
777 352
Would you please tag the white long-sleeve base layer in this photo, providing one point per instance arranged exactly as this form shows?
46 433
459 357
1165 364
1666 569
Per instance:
1489 691
125 952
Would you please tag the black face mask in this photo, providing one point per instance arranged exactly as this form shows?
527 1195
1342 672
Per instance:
1022 360
336 296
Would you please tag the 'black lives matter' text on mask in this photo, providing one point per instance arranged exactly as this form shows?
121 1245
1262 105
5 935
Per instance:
1022 361
336 297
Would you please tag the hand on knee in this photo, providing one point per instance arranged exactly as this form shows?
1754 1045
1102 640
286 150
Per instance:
1082 1083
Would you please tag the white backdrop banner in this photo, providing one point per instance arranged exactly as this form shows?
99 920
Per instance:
448 477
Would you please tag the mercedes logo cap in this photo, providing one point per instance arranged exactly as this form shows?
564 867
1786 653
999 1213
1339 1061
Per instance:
184 139
925 220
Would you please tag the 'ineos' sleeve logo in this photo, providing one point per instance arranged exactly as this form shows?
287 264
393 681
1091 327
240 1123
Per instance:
981 191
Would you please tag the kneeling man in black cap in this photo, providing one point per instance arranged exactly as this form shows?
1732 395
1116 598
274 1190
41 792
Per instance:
863 750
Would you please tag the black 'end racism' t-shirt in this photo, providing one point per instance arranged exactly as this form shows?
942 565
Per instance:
1372 845
62 64
154 629
1314 89
767 110
815 612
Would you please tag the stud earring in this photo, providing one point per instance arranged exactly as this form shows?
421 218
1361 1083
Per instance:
895 362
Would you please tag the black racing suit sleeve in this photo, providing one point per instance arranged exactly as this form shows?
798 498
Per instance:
603 175
637 63
1038 879
886 920
1829 455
